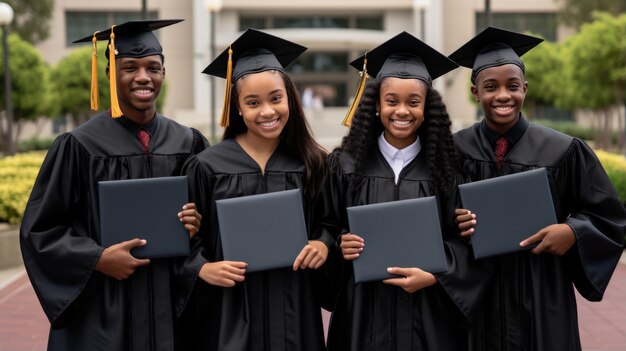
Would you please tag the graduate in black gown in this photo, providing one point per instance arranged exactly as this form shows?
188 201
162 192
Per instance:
530 304
267 147
103 298
399 147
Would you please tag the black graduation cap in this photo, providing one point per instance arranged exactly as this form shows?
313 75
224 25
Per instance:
403 56
494 47
253 52
129 39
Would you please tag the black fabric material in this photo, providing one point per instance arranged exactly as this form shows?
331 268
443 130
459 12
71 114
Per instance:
271 310
494 47
530 304
404 56
513 135
60 230
376 316
133 38
253 52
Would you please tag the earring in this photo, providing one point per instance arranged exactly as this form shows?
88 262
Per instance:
477 100
240 114
377 114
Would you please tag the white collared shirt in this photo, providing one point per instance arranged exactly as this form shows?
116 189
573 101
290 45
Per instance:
398 158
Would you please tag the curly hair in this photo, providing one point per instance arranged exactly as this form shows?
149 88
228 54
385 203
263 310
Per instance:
435 135
297 135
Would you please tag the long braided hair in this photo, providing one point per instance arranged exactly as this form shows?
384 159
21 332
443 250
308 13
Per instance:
435 135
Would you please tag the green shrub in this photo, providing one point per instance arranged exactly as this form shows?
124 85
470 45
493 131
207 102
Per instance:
34 144
17 177
615 167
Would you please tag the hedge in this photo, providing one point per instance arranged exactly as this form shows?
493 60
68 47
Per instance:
17 176
615 167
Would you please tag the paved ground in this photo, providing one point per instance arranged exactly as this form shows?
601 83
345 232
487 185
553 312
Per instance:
23 326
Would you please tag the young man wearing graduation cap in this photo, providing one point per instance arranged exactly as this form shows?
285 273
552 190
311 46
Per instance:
530 304
103 298
267 147
399 147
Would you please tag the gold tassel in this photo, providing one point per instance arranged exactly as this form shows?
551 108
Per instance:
225 120
347 121
95 103
116 111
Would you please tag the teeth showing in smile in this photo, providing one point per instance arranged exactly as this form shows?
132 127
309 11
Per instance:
401 122
143 91
504 108
269 124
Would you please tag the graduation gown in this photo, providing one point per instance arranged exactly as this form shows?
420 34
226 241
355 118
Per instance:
377 316
531 304
271 310
60 233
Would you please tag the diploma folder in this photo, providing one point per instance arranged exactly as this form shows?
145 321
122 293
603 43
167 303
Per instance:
147 209
266 231
508 210
404 233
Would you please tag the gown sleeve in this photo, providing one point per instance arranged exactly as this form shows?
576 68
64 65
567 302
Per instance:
187 269
597 218
467 279
59 255
330 213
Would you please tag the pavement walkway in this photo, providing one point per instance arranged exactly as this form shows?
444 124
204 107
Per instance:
24 327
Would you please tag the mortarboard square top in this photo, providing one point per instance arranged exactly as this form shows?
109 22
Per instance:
494 47
253 52
133 38
405 56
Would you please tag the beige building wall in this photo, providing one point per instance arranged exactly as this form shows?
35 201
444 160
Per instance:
449 24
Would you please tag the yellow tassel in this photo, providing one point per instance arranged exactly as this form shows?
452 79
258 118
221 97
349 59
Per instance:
225 120
116 111
347 121
95 103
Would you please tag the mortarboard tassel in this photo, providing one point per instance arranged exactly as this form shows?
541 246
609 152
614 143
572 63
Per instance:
347 121
225 120
116 111
95 103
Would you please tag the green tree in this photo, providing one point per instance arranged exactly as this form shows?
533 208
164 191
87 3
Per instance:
595 72
544 67
32 18
71 85
29 82
576 12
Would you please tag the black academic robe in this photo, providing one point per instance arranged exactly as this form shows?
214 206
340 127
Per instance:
271 310
60 233
530 304
377 316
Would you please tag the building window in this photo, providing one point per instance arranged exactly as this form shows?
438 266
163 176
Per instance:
321 75
79 24
372 22
544 24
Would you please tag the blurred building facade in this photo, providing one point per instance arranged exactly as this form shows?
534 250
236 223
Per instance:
334 31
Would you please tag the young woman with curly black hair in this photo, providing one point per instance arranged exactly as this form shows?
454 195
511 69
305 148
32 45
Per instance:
399 147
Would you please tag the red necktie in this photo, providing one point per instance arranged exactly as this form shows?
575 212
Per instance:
144 139
502 146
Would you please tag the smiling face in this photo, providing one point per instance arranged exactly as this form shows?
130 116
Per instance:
401 108
501 91
263 104
139 82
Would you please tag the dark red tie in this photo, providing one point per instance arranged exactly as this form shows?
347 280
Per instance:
502 146
144 139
